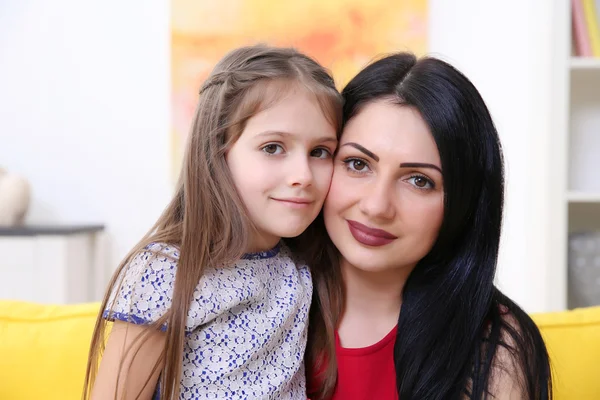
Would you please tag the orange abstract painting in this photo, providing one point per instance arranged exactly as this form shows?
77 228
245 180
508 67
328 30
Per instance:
343 35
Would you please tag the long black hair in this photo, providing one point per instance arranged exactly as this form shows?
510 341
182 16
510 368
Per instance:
454 322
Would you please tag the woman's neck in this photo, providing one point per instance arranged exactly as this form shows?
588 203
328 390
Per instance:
372 304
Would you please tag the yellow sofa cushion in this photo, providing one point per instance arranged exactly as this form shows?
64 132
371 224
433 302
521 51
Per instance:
573 342
44 350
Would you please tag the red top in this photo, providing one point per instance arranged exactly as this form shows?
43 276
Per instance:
368 372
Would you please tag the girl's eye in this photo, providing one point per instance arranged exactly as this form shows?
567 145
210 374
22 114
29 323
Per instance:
356 165
272 149
320 153
421 182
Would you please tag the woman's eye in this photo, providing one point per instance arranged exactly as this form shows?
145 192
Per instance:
273 149
320 153
356 165
421 182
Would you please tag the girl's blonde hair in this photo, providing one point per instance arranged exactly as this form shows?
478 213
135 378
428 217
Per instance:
206 219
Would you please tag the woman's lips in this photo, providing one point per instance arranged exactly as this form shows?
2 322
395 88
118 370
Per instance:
370 236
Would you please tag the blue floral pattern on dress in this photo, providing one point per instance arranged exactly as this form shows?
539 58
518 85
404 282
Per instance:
246 328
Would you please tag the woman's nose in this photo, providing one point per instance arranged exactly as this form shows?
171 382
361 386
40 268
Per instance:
377 202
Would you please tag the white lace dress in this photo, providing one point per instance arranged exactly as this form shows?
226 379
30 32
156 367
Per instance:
246 328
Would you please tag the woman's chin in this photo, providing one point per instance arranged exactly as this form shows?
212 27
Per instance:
368 262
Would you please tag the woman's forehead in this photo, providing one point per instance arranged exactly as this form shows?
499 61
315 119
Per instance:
395 130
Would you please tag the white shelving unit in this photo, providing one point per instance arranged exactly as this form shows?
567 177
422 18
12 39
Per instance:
53 264
583 197
583 63
575 148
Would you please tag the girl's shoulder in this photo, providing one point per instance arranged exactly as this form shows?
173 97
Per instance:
152 258
162 250
160 256
291 256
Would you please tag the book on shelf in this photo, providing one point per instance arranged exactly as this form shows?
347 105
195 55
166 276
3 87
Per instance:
585 27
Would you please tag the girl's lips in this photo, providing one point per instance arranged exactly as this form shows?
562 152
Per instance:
294 202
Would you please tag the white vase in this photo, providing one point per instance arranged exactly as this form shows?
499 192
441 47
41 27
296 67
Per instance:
15 196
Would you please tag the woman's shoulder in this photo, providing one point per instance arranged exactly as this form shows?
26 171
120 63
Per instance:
520 364
506 373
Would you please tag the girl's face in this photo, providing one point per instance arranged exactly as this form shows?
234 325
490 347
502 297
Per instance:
386 202
282 166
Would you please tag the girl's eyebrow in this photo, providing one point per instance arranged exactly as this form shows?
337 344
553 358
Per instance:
326 139
274 133
323 139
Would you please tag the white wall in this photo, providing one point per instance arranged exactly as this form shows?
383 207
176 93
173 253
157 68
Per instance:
84 111
84 91
505 48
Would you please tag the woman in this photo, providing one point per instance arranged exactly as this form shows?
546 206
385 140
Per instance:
415 210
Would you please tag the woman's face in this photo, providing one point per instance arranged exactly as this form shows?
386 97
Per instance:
386 202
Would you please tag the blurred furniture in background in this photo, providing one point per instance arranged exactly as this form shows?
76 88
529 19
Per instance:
52 264
573 146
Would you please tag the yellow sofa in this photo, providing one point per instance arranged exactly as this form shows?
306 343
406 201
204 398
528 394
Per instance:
43 350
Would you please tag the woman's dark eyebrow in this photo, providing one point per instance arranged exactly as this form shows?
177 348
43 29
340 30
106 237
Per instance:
362 149
403 165
420 165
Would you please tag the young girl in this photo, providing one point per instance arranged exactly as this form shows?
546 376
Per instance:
211 304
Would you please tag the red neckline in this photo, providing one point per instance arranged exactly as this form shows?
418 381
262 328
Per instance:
362 351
